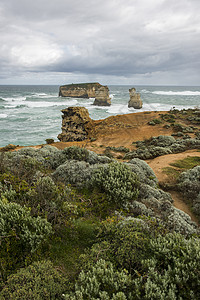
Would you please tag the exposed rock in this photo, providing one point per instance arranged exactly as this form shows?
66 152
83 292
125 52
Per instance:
8 148
76 124
135 100
80 90
102 96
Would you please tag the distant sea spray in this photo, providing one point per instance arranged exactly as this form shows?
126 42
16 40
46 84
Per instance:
31 114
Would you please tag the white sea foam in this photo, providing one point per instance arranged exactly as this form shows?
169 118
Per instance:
44 95
33 104
178 93
12 99
3 116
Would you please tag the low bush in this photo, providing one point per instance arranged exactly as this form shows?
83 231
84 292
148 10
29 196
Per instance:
39 281
189 185
102 281
21 234
118 182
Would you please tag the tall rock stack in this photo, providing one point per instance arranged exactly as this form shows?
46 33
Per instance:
102 97
76 124
135 100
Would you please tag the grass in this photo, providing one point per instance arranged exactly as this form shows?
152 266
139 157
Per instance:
180 166
187 163
71 243
172 173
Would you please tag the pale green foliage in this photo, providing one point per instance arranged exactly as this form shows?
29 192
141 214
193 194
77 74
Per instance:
162 145
173 271
16 220
39 281
77 153
102 281
7 193
189 185
74 172
118 182
143 171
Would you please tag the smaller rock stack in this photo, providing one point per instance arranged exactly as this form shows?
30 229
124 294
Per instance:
135 100
102 96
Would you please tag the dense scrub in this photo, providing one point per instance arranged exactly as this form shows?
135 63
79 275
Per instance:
162 145
107 229
189 185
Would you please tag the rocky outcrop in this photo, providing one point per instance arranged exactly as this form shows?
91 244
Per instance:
135 100
80 90
102 97
76 124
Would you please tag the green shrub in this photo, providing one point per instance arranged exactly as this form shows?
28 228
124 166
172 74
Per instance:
48 199
39 281
21 235
172 272
118 182
76 153
76 173
102 281
49 141
188 184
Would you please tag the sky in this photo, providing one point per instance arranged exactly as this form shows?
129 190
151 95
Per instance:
141 42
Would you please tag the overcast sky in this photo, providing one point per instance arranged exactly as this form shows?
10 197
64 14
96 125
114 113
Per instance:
111 41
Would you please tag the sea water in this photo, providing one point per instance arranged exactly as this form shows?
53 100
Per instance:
31 114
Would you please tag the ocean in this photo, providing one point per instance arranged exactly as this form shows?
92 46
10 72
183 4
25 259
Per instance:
31 114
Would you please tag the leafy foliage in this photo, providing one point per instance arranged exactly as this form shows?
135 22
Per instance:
21 234
101 281
39 281
118 182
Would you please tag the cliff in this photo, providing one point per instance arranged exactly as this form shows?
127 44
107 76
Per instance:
80 90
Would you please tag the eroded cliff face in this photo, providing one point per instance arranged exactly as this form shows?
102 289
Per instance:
80 90
76 124
135 100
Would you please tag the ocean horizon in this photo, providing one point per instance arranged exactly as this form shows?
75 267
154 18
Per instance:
30 114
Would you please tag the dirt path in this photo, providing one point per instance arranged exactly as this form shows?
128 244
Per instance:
158 163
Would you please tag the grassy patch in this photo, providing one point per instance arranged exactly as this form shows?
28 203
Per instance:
65 249
187 163
172 173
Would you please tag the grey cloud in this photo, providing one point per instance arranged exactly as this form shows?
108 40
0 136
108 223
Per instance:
102 37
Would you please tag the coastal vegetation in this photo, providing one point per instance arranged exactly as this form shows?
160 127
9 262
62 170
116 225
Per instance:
77 225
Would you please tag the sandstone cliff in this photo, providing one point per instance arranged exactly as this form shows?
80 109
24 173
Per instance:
135 100
76 124
80 90
102 96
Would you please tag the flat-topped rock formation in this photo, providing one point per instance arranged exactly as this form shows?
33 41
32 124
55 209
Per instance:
135 100
87 90
80 90
76 124
102 97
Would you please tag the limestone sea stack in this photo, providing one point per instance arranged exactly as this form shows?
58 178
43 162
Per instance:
79 90
102 97
76 124
135 100
87 90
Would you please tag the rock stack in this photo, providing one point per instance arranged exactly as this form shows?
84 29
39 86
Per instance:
79 90
76 124
135 100
102 96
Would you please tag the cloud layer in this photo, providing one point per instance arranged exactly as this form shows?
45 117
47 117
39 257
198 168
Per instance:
148 41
